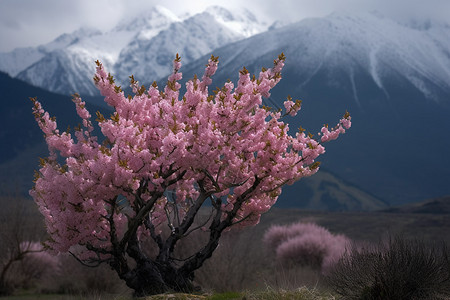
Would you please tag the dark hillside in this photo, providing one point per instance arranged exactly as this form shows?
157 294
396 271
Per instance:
21 139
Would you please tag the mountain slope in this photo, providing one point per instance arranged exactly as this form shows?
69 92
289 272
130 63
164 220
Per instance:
392 78
328 192
379 47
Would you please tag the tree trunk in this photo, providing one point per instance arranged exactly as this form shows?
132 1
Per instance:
149 278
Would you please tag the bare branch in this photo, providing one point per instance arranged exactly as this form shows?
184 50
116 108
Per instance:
216 228
134 223
97 262
198 227
169 223
156 237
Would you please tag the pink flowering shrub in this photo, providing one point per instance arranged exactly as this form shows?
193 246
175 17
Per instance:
162 156
305 244
278 234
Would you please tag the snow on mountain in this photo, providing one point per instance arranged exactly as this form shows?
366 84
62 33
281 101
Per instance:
67 68
143 46
384 47
278 24
392 78
151 59
148 23
242 22
21 58
65 40
69 60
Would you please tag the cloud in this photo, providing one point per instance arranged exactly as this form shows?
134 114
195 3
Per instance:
31 22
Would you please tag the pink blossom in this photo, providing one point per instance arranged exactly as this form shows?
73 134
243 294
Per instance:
344 123
158 143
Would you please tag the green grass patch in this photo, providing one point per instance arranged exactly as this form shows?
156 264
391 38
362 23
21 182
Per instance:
297 294
226 296
269 294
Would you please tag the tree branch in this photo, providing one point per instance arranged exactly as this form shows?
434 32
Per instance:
134 223
97 262
216 229
156 237
178 232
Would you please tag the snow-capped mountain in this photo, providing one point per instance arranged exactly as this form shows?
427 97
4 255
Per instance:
151 59
70 69
143 46
392 77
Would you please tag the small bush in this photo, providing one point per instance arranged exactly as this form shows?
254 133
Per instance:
399 269
305 244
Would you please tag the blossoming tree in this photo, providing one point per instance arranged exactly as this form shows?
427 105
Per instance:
162 158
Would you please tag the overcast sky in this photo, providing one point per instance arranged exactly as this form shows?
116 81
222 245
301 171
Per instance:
26 23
